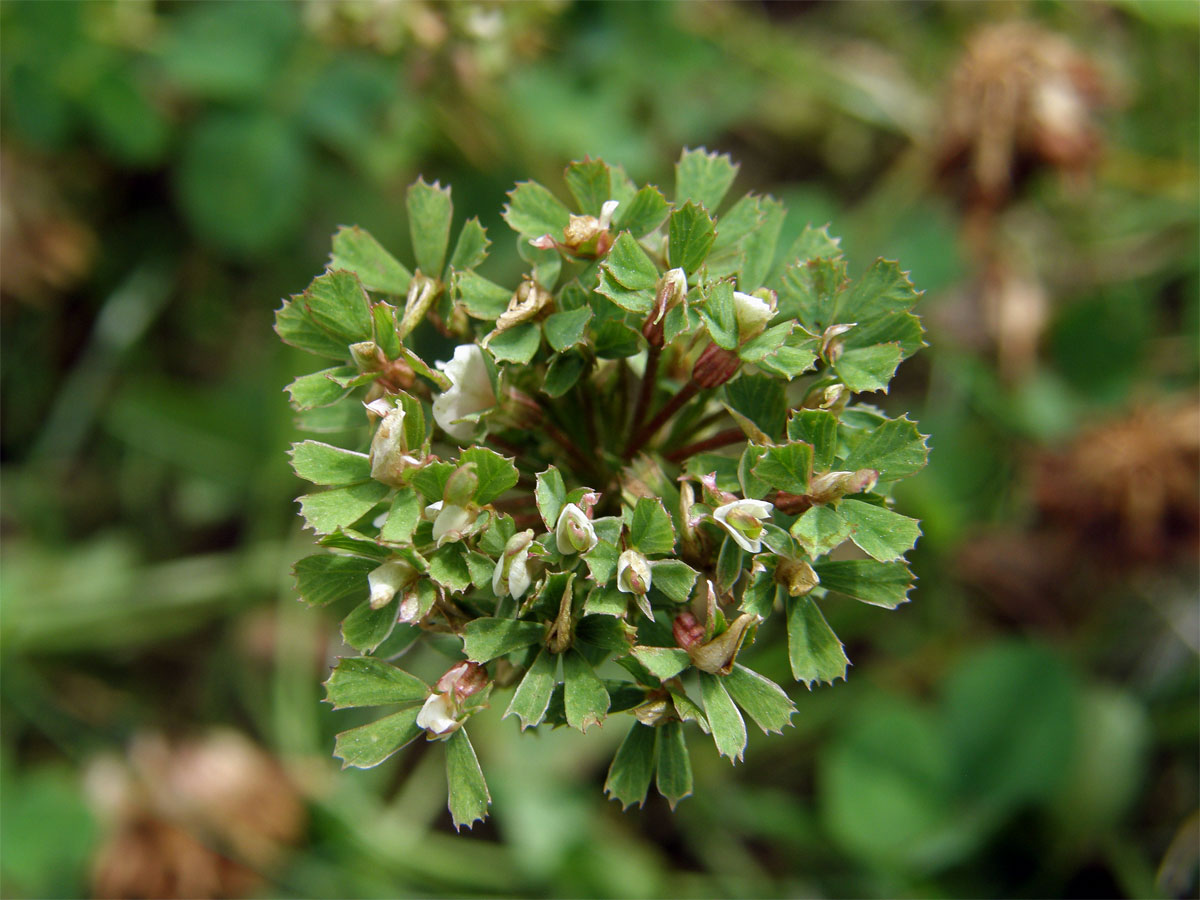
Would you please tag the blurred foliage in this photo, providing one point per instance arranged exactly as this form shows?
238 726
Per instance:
1027 726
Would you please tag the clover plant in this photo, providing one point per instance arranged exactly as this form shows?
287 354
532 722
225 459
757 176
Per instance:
620 469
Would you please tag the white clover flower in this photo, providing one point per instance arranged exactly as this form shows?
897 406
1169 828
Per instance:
388 453
511 576
386 580
450 522
743 520
753 314
574 532
633 573
606 213
470 392
437 715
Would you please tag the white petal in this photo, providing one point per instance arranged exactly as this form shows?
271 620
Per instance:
450 519
519 578
572 513
437 714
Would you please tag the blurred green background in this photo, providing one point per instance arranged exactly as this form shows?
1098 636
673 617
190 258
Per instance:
1027 726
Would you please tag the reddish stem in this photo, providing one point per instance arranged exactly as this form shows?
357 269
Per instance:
661 418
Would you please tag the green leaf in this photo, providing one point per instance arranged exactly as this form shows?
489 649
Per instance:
760 399
629 265
325 578
566 329
518 344
365 628
612 338
429 214
690 234
550 494
880 584
369 745
386 320
319 388
674 779
563 373
883 534
532 696
759 596
729 565
602 561
326 464
796 356
814 243
787 467
482 299
485 639
813 649
662 662
767 344
642 214
496 473
760 698
532 211
809 292
340 507
606 632
590 184
431 479
403 517
818 427
720 315
898 328
895 449
728 729
739 221
469 797
632 768
881 290
606 601
328 317
868 368
356 251
819 530
481 569
636 301
703 177
364 681
355 543
471 248
586 698
673 578
758 247
448 568
650 528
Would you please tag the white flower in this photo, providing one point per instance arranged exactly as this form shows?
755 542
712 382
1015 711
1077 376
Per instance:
743 520
606 213
511 576
437 715
633 573
386 580
470 392
450 522
388 456
753 314
574 532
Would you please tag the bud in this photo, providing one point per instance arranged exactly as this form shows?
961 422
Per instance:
753 313
687 630
718 655
451 522
743 520
796 575
672 290
366 356
442 710
653 712
422 290
574 532
461 485
389 455
511 576
387 579
834 485
633 573
526 303
715 366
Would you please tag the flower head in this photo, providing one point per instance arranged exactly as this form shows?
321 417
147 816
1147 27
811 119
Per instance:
574 532
633 573
442 712
743 520
511 577
470 392
753 313
386 580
